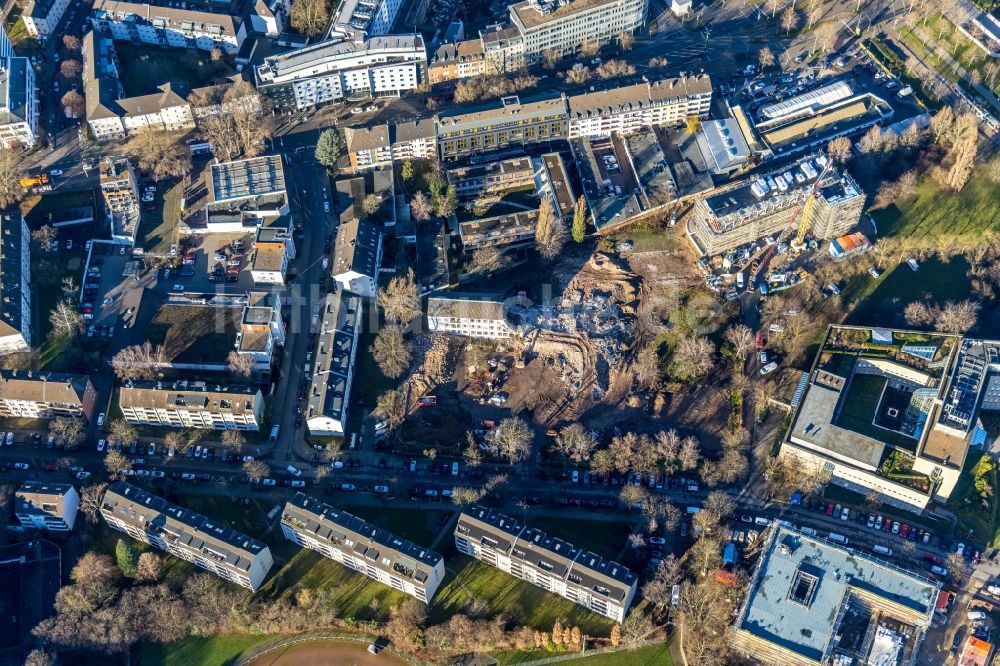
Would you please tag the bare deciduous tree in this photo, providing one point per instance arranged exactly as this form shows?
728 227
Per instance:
122 433
420 207
741 338
11 168
160 154
74 102
550 232
690 454
512 438
487 260
138 361
393 407
625 40
233 440
70 69
789 19
765 57
66 319
371 204
658 589
839 149
693 357
256 470
310 17
40 658
399 299
116 464
90 501
149 568
575 443
241 365
69 431
647 367
391 351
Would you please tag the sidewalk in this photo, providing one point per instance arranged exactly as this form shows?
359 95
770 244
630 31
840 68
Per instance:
943 55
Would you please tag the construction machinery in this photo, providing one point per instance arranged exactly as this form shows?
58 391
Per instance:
34 181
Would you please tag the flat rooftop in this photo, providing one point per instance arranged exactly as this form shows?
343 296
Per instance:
803 583
814 426
530 16
247 178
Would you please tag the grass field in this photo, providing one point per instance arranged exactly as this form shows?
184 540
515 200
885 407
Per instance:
943 219
214 650
941 280
973 515
417 525
188 335
502 593
604 538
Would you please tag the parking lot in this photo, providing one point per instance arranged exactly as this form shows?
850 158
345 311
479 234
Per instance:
110 293
214 263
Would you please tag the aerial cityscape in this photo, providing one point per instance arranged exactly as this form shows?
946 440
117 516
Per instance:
466 333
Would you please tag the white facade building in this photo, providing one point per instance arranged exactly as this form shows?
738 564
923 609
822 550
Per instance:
630 108
184 404
273 248
47 506
363 547
18 103
261 328
562 27
587 579
42 16
357 19
167 26
15 287
338 326
468 315
357 254
333 70
215 547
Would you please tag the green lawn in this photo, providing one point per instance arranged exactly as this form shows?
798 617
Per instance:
188 335
943 219
522 602
654 654
859 408
212 650
357 595
417 525
604 538
942 280
973 515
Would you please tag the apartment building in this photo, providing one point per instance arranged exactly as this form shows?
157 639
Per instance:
338 328
506 229
261 327
468 315
244 195
829 203
109 114
628 109
500 125
552 180
6 48
562 26
195 538
587 579
18 103
273 248
809 598
189 404
15 279
45 395
357 254
42 16
414 140
168 26
120 187
503 48
337 70
47 506
379 146
458 60
363 547
472 179
357 19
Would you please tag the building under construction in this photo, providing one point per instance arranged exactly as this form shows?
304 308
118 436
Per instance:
810 196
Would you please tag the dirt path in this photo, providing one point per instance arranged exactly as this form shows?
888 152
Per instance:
325 654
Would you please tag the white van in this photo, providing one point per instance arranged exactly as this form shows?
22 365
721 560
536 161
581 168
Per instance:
294 471
693 509
837 538
882 550
808 531
977 616
274 434
454 469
